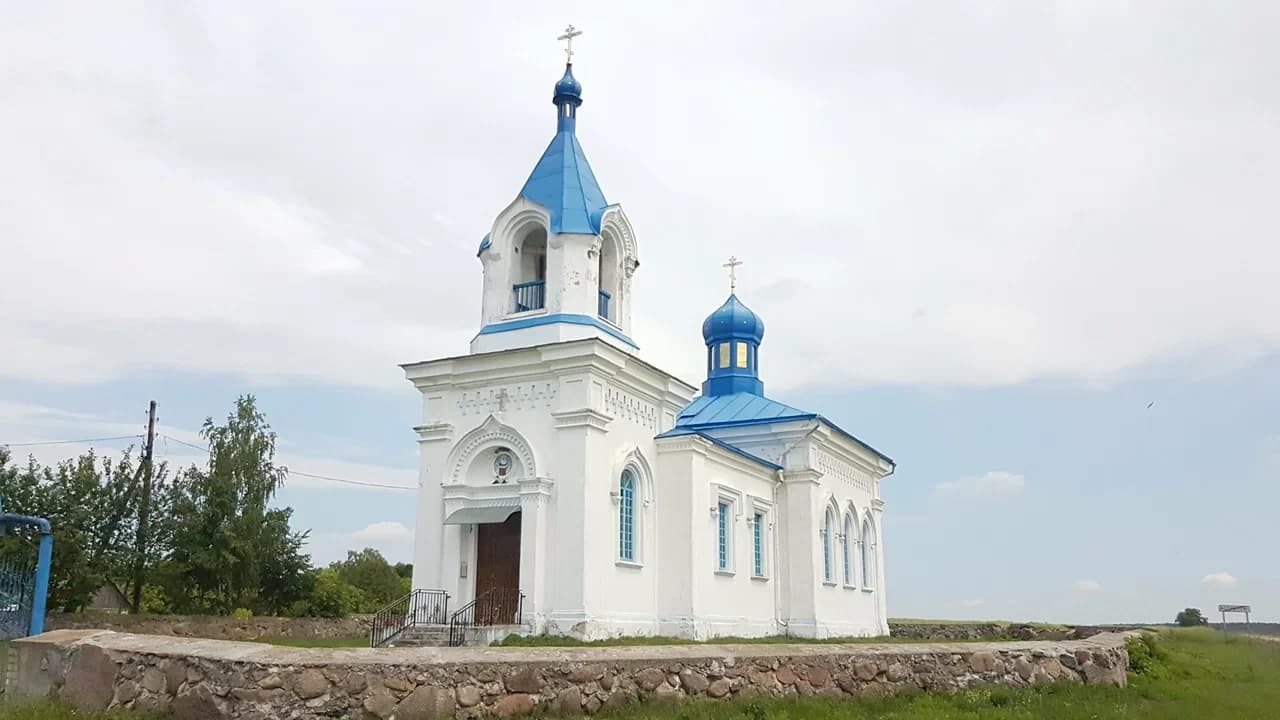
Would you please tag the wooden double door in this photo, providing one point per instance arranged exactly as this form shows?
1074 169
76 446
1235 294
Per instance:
498 572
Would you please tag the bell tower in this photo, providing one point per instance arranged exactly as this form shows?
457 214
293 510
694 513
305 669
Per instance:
559 259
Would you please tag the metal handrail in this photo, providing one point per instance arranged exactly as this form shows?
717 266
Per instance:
419 607
497 606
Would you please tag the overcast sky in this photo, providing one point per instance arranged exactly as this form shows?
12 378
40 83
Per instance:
983 236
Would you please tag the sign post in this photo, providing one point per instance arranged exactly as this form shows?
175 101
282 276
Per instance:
1224 609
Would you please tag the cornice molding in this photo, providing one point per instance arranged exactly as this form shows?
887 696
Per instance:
582 417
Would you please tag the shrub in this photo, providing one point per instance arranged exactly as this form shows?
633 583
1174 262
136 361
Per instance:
1146 657
242 614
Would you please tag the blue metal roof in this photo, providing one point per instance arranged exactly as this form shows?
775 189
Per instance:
562 182
712 412
679 431
484 244
741 408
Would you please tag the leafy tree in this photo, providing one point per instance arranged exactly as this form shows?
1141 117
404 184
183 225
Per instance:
90 502
1191 617
377 580
329 596
230 550
404 570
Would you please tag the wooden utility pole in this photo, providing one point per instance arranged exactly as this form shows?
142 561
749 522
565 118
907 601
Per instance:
144 511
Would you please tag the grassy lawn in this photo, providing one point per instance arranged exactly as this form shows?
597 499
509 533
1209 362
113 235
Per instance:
338 642
1191 674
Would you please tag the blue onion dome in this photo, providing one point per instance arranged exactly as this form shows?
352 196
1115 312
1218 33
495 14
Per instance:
568 88
732 321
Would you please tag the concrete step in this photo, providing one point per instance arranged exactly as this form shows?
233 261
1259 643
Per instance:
422 636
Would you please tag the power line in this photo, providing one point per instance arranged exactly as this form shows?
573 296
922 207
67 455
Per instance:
303 474
69 442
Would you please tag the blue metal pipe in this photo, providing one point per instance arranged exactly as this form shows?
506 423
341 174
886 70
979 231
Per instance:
41 593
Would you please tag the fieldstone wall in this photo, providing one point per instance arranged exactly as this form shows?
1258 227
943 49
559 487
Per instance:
203 679
990 631
213 626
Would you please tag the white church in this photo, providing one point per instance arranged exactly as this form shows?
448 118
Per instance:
570 487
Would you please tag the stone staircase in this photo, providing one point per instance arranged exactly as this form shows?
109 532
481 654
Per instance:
422 636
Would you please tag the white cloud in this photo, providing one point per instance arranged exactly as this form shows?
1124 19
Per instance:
393 539
177 200
996 483
383 532
972 603
1220 579
1087 586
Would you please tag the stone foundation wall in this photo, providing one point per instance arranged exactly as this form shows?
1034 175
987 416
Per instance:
213 626
989 631
217 679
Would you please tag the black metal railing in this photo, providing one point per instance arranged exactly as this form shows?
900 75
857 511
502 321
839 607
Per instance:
499 606
420 607
530 295
602 306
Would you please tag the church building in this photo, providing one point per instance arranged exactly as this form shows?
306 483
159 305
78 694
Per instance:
570 487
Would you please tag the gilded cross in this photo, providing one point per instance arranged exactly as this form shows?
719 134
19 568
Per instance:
569 34
733 274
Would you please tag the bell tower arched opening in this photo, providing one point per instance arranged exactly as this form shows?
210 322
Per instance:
529 286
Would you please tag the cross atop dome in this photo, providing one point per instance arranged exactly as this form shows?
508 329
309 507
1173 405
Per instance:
733 264
569 34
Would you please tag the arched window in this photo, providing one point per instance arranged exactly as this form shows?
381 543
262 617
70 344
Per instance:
608 271
828 537
627 516
850 537
868 555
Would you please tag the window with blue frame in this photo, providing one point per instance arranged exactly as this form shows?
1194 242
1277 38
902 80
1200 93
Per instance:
850 537
722 535
757 544
828 537
627 516
868 559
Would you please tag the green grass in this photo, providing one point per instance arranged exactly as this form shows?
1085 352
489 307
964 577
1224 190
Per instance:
1182 675
314 642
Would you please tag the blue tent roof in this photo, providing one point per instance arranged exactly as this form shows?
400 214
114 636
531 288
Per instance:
562 182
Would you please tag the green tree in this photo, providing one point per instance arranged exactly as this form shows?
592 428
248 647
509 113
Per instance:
1191 617
229 549
90 502
328 596
373 575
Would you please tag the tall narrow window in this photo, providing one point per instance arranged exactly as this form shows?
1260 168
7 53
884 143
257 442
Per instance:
868 559
828 537
724 355
627 517
722 535
850 537
757 544
741 359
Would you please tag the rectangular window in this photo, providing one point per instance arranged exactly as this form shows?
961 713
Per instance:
724 355
722 539
757 545
742 355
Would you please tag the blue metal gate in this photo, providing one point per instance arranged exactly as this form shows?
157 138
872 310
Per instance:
24 585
